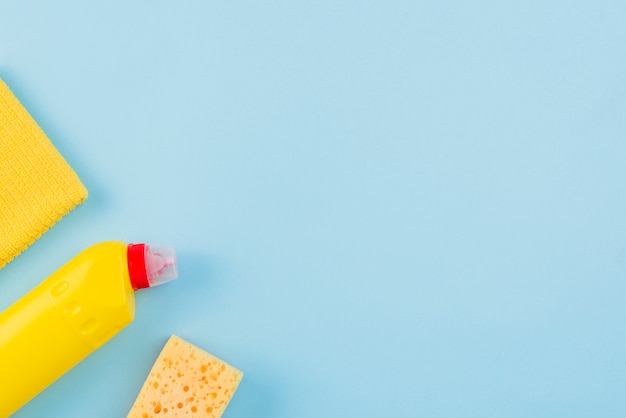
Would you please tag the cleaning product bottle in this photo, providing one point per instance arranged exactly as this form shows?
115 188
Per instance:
72 313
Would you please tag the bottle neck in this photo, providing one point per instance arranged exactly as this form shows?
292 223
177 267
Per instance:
136 256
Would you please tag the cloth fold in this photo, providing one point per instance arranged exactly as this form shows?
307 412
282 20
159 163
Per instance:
37 186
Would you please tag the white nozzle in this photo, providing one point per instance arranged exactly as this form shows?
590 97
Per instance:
160 264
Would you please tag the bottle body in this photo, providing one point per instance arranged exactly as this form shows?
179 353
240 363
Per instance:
60 322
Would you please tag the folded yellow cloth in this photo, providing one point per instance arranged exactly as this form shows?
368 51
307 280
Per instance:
37 186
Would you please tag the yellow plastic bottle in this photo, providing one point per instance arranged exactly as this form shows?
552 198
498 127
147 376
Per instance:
72 313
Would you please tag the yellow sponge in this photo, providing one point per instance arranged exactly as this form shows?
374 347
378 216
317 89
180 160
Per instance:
37 186
186 381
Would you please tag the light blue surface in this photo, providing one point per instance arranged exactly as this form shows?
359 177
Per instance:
381 208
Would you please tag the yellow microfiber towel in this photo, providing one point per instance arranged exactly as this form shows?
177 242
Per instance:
37 186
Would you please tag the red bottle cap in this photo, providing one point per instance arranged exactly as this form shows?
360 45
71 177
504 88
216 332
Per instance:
150 265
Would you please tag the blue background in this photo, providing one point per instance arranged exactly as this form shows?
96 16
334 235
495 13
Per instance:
381 208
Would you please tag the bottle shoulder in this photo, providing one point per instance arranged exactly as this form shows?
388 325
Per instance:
95 282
